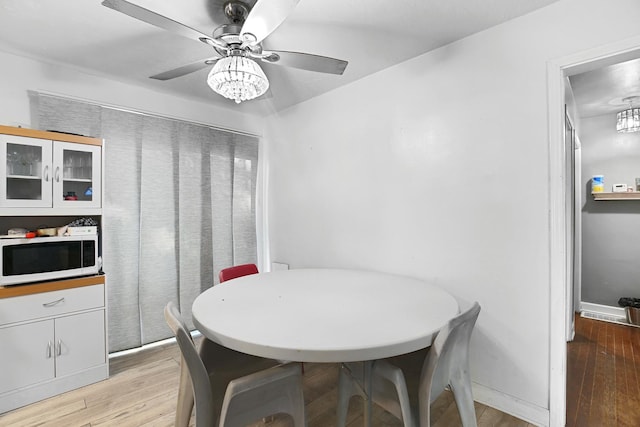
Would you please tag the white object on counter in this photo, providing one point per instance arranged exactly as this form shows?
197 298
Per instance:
619 188
79 231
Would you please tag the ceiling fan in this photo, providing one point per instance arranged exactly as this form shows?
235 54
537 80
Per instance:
237 44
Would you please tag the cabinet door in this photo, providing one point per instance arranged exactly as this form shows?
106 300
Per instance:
25 168
79 342
26 355
77 172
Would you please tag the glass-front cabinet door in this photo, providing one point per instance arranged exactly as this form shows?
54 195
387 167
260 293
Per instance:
25 166
41 173
76 175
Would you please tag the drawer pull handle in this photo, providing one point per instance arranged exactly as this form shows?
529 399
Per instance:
53 303
49 350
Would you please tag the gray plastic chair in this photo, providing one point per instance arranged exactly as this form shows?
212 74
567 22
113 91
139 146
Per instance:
406 385
232 388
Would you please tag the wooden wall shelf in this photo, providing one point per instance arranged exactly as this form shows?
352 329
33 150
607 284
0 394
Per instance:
628 195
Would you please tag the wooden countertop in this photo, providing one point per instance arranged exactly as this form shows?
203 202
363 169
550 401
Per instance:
44 134
36 288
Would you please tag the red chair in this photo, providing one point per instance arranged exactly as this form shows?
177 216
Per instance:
237 271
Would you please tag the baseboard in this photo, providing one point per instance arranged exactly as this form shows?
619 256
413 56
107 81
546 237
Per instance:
603 312
603 309
511 405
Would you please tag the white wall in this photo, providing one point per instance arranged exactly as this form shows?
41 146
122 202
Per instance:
20 75
611 230
439 168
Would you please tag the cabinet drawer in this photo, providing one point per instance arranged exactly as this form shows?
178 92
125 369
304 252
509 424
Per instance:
27 307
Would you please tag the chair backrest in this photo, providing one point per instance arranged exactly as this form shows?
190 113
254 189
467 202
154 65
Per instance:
203 396
237 271
449 355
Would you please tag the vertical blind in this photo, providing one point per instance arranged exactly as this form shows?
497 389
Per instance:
178 206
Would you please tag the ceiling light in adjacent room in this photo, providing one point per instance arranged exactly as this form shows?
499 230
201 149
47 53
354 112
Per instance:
629 119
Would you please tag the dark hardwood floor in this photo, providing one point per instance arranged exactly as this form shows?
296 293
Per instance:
603 375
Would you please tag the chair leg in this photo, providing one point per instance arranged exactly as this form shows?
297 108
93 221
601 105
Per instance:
461 388
185 397
261 394
403 398
424 413
424 404
346 389
395 376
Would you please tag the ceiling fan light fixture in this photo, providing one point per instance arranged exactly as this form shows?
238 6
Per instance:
238 77
629 119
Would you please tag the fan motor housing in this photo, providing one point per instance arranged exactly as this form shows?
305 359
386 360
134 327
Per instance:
229 33
236 11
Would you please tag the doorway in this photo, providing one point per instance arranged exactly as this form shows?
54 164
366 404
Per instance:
611 243
561 207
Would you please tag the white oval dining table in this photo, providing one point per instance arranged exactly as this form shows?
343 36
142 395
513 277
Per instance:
324 315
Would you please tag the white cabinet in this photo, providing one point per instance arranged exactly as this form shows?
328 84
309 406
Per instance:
44 173
25 166
51 341
27 350
79 342
76 175
52 334
49 349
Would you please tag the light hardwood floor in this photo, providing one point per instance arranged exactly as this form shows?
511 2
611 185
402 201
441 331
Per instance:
142 390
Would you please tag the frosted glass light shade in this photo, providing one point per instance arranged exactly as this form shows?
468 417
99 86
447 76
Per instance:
628 120
237 77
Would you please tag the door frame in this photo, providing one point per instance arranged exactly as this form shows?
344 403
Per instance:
557 71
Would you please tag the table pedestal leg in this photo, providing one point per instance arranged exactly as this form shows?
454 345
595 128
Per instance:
368 391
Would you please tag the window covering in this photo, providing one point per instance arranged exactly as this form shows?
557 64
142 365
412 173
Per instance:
178 206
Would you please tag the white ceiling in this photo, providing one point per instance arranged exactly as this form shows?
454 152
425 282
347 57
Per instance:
601 91
370 34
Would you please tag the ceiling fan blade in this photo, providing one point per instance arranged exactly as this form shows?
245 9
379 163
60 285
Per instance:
185 69
265 16
305 61
153 18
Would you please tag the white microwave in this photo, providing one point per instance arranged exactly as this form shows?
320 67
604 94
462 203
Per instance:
47 258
